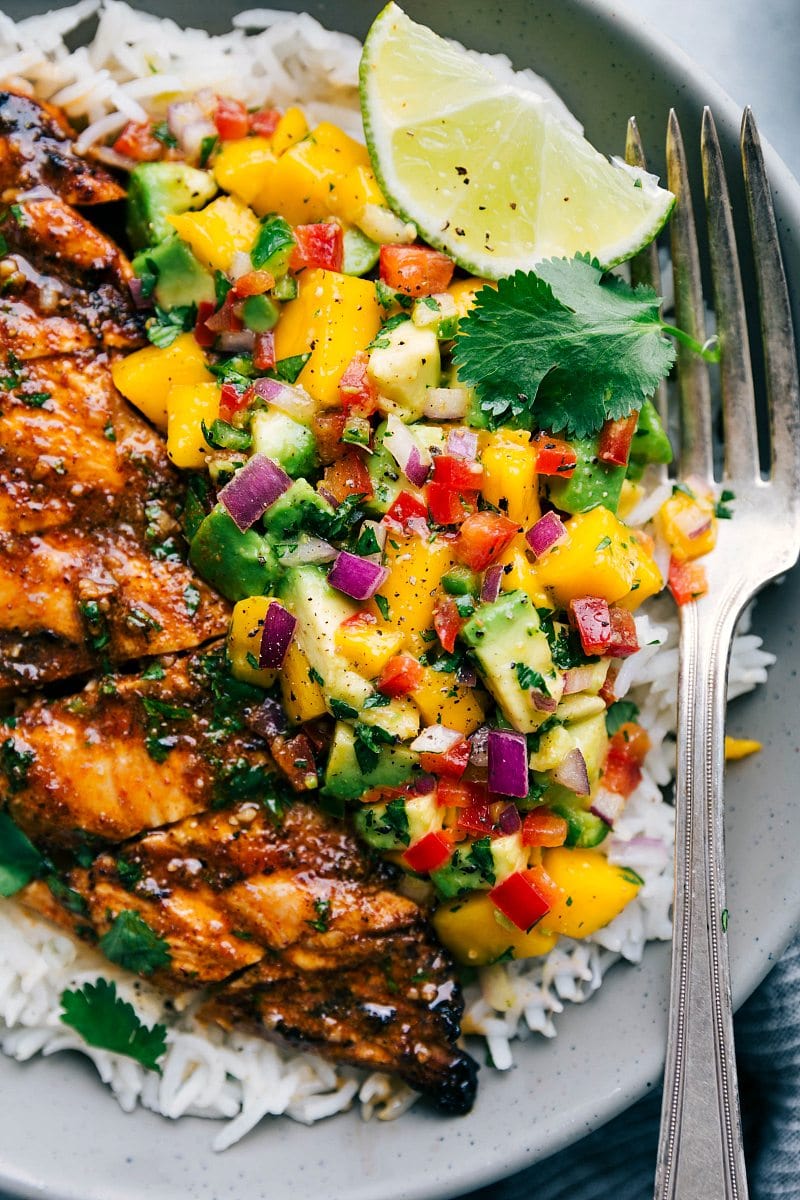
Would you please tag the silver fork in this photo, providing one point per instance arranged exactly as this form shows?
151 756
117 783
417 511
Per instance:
700 1153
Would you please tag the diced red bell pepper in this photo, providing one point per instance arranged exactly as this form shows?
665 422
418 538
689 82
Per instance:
687 580
453 763
357 393
624 640
593 621
204 336
318 246
138 141
447 622
614 446
621 772
364 617
348 476
231 400
554 456
406 506
401 675
328 428
226 319
264 351
607 693
457 473
264 122
448 507
543 827
632 739
451 793
415 270
231 119
429 853
482 537
254 283
523 897
477 819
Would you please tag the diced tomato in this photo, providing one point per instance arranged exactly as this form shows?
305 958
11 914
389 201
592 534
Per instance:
687 580
624 640
204 336
348 476
254 283
415 270
607 693
401 675
264 122
524 897
477 819
621 772
357 392
429 853
231 119
138 141
226 319
633 739
460 794
614 446
318 246
360 618
554 456
453 763
457 473
328 428
447 622
448 507
543 827
406 506
264 351
593 621
482 537
231 400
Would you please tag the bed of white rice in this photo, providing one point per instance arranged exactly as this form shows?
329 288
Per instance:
133 67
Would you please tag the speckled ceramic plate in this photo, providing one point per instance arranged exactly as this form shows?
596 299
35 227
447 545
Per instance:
63 1137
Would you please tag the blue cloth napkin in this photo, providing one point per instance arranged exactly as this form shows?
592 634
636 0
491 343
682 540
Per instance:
617 1162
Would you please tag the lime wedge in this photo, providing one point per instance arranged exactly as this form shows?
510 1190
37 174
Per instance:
489 172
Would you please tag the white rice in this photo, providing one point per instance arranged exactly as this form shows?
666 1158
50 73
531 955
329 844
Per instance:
135 65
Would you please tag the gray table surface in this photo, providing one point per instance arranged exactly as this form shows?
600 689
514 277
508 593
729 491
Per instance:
751 47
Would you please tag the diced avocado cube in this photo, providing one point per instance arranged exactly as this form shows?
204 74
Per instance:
650 442
273 247
286 288
237 564
471 868
588 735
383 826
403 363
260 314
438 313
584 829
345 780
360 253
461 581
385 475
180 278
159 189
296 509
285 441
514 656
591 483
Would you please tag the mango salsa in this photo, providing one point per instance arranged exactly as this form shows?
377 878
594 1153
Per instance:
244 641
598 558
301 694
188 405
146 376
223 228
416 566
241 166
595 891
476 934
299 184
509 475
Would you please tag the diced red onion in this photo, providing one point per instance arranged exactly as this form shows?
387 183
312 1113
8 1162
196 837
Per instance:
436 739
192 138
326 495
479 748
547 532
641 851
290 400
268 719
543 702
241 264
577 679
278 631
137 294
607 806
446 404
508 762
490 588
509 820
312 550
571 773
182 113
423 785
254 487
413 459
380 531
467 676
462 443
419 526
240 341
699 530
356 577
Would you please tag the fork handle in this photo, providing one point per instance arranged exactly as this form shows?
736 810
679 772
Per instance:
700 1155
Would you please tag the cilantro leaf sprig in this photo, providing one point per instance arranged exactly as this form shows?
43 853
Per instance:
131 943
104 1020
565 347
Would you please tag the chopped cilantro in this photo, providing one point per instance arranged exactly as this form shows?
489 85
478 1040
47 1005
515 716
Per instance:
207 148
631 876
369 739
619 713
66 896
131 943
222 285
341 710
287 369
381 341
191 598
224 436
530 680
129 873
383 606
153 670
724 920
162 134
34 399
20 861
315 677
104 1020
377 700
15 764
603 544
367 542
722 509
323 910
165 327
161 708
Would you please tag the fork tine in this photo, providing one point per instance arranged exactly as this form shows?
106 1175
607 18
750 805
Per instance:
644 266
695 393
780 354
738 397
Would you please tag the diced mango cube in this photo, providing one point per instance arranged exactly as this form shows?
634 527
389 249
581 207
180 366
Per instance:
688 524
189 404
595 890
352 191
647 577
302 695
509 475
368 647
242 165
333 317
442 700
521 574
146 376
291 128
464 292
223 228
736 748
416 566
476 934
598 558
244 641
299 185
